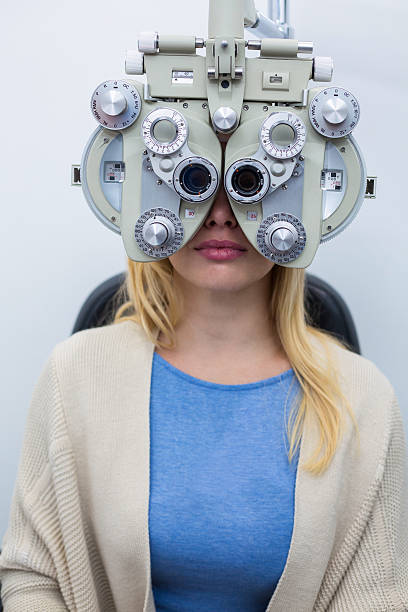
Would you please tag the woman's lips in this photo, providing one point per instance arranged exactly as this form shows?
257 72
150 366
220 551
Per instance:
220 244
220 254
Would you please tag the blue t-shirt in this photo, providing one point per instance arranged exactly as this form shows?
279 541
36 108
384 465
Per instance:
221 490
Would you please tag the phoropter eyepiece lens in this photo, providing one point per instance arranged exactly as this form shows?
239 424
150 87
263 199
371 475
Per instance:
247 180
195 179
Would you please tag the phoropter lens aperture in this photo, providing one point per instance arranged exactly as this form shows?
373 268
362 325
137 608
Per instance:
247 180
195 179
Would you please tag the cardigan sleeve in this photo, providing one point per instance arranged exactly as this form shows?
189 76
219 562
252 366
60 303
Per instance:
373 576
44 546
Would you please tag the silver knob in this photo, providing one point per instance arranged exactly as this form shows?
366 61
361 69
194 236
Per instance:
282 239
254 45
225 119
158 231
113 103
155 234
305 47
335 110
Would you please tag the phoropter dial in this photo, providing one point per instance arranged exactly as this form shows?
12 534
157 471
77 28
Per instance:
116 104
281 237
159 232
164 131
334 112
283 135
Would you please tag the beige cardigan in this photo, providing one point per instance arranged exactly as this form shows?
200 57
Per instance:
78 533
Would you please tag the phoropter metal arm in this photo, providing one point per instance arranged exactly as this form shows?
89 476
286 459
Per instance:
275 25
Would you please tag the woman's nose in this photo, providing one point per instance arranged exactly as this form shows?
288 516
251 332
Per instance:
221 212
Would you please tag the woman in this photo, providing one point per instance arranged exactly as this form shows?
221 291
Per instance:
156 471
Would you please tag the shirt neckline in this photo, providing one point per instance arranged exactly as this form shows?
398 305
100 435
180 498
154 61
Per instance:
273 380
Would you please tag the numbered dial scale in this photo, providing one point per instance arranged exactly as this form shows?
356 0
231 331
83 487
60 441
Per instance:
115 104
281 237
159 232
276 142
334 112
164 131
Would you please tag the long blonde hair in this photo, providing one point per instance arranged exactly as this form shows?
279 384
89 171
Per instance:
150 298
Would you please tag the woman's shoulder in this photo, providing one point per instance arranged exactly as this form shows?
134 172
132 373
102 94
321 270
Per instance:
370 394
356 372
361 374
374 405
93 348
366 387
104 335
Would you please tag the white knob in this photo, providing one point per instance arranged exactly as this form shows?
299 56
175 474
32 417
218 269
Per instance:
148 42
134 63
278 169
323 69
113 103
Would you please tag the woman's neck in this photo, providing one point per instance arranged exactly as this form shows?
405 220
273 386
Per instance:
227 330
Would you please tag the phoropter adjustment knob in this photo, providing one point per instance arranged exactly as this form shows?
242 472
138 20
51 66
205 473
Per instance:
116 104
282 239
158 231
148 42
335 110
322 69
225 119
134 62
113 102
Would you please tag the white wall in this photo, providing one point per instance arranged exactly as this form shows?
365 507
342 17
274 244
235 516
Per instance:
54 251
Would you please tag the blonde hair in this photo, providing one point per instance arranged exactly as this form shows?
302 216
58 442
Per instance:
152 301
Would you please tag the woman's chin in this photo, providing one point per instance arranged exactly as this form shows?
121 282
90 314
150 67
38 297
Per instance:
219 278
